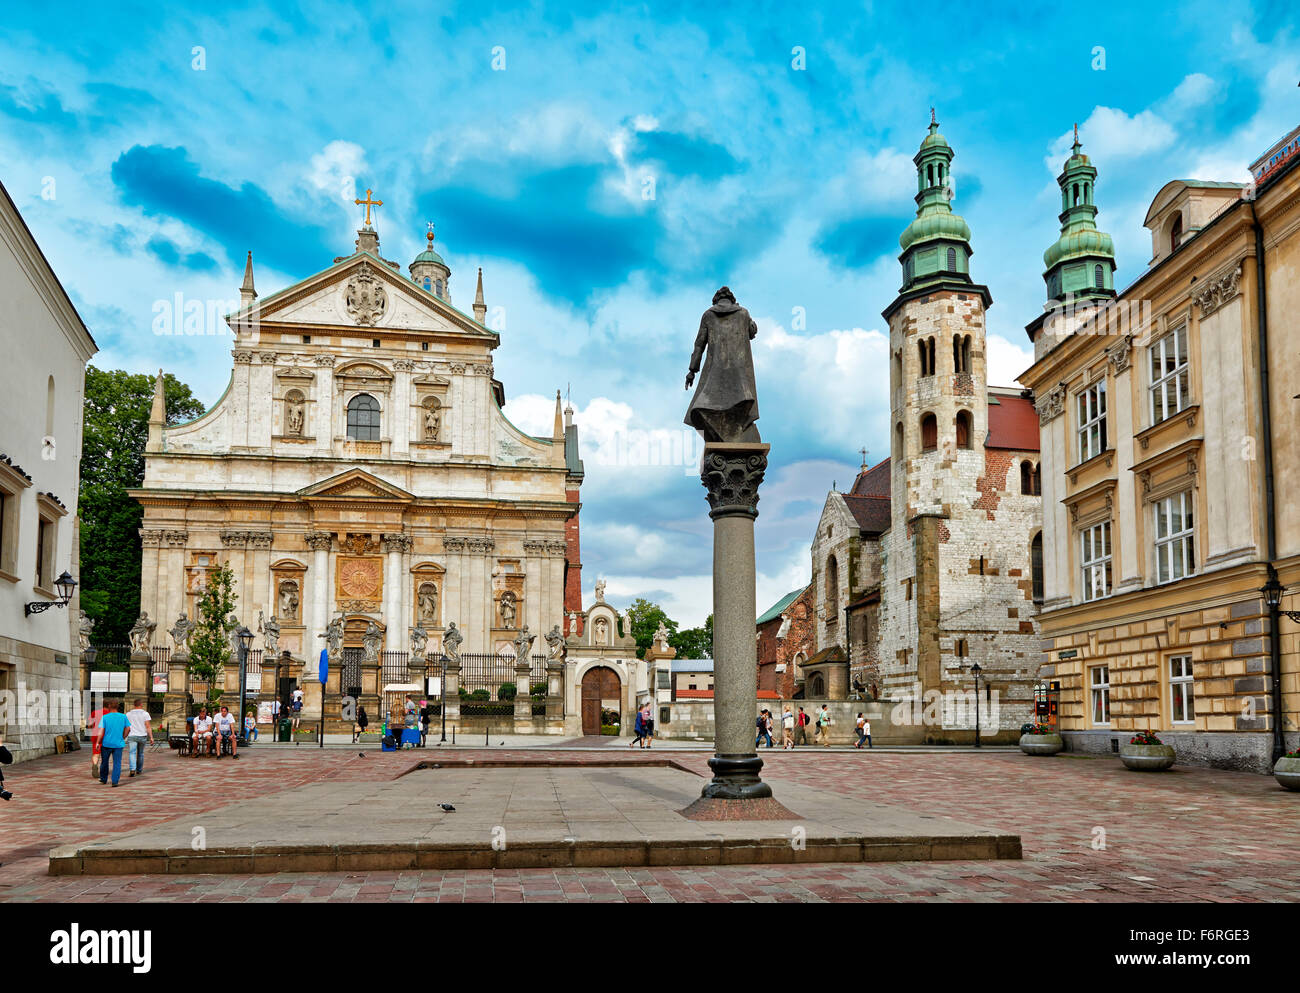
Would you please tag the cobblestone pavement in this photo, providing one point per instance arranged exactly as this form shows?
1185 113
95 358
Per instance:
1186 835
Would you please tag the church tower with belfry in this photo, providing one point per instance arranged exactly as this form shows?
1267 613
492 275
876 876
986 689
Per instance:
956 564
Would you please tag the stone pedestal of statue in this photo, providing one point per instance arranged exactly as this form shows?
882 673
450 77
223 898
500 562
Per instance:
731 473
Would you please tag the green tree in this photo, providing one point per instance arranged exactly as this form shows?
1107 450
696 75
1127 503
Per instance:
694 643
210 650
643 619
112 462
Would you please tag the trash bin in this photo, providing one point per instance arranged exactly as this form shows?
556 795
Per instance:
286 730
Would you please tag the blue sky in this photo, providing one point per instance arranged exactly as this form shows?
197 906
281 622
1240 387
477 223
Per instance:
532 135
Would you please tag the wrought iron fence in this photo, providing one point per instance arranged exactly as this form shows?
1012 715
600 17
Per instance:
482 672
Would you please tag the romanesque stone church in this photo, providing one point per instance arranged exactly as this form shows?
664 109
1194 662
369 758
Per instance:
359 465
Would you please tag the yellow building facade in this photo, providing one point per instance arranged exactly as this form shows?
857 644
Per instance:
1168 420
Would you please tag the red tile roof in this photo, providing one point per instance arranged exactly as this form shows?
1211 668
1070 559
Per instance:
871 512
1013 424
873 481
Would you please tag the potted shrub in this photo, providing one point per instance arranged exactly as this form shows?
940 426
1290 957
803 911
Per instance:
1146 753
1287 770
1040 739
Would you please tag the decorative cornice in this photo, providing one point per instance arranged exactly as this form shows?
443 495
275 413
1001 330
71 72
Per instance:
403 365
246 539
1218 290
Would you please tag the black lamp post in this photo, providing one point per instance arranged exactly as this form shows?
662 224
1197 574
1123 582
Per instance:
975 671
1272 591
64 585
245 639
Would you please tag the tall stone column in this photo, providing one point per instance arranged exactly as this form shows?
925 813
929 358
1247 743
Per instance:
454 582
731 473
480 591
395 612
323 406
320 542
534 566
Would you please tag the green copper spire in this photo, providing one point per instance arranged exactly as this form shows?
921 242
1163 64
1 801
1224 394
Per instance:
1081 263
936 245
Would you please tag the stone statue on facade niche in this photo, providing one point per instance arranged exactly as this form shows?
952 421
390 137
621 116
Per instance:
295 417
556 648
431 421
508 611
451 639
524 643
600 633
289 600
370 642
428 603
271 632
181 631
725 405
141 634
85 625
419 641
333 637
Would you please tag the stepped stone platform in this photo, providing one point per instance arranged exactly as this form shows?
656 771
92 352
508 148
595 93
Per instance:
525 813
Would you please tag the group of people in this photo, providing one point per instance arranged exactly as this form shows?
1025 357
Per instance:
794 728
118 731
644 727
211 733
408 718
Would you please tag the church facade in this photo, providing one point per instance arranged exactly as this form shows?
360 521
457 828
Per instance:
359 466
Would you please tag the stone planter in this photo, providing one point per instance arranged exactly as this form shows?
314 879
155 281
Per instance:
304 735
1041 744
1287 772
1147 758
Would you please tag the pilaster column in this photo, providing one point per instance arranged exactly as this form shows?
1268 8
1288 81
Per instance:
323 408
402 416
455 582
395 545
235 543
319 542
150 595
481 590
534 572
553 607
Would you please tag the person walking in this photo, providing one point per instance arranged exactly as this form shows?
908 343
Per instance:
801 728
648 723
295 708
787 729
857 727
116 726
823 727
638 729
141 733
764 725
865 732
362 723
424 721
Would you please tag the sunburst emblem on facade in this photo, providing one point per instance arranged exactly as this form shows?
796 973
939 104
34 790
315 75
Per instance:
359 579
365 297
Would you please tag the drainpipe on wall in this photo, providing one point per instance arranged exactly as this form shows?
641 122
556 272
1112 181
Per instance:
1270 522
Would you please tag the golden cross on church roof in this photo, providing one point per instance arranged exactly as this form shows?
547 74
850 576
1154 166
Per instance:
369 203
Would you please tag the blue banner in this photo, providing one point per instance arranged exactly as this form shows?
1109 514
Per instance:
324 665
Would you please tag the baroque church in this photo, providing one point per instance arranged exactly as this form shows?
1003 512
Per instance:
359 465
931 561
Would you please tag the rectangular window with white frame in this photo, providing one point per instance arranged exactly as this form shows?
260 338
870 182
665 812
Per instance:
1099 687
1182 703
1095 556
1170 389
1175 544
1092 421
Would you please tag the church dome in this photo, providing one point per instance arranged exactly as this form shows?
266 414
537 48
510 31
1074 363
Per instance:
431 272
930 226
1088 241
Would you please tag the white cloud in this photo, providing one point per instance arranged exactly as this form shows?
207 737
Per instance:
1192 93
335 168
1006 361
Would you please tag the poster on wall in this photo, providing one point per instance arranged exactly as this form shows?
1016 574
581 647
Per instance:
264 712
160 682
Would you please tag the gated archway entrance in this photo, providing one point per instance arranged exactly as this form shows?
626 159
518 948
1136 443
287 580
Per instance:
601 689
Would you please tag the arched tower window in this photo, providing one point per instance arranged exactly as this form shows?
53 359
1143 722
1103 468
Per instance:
925 349
1026 478
1176 232
428 283
439 290
363 418
898 442
1036 566
832 586
965 354
952 260
929 433
963 429
49 407
929 174
1098 277
1076 194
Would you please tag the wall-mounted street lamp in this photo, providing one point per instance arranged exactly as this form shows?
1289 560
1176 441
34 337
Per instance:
65 584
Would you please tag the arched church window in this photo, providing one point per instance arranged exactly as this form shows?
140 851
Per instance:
428 283
1026 478
965 354
952 260
963 429
363 418
929 433
439 290
1076 194
1099 277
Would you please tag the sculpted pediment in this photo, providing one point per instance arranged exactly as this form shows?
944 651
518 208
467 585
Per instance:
354 484
363 370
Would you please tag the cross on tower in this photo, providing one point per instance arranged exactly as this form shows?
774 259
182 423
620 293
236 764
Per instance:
864 456
370 203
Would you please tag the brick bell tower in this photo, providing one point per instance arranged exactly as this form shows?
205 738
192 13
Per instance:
939 407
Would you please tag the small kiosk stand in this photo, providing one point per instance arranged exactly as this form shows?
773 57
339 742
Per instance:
395 716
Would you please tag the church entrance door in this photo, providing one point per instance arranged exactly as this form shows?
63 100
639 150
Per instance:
601 689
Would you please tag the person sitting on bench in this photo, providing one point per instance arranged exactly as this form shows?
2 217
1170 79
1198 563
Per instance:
202 732
226 728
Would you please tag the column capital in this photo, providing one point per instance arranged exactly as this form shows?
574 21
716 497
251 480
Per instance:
731 474
319 541
396 542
